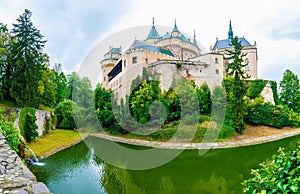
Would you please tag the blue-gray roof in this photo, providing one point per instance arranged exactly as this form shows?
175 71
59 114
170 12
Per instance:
175 29
181 36
115 50
140 44
153 34
222 44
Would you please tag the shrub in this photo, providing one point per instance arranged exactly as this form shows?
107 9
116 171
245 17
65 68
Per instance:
10 132
294 119
281 176
64 115
260 113
227 131
30 127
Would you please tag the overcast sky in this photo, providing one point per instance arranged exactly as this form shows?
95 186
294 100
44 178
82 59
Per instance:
74 28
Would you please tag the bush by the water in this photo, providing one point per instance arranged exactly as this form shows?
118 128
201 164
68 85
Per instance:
281 176
261 113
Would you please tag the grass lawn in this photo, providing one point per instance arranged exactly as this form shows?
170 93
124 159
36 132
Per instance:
57 140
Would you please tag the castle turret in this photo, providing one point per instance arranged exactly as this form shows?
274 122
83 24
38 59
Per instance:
108 63
153 34
175 31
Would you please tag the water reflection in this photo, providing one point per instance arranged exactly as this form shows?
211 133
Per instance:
78 170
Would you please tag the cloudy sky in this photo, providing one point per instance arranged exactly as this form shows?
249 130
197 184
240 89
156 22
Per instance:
74 28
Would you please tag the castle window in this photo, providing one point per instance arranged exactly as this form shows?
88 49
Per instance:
247 64
124 63
146 61
104 78
217 71
216 60
187 72
134 60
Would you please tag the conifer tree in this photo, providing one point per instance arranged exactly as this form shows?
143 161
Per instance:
235 86
26 61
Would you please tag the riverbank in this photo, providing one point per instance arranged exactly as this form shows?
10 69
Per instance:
61 139
253 136
57 140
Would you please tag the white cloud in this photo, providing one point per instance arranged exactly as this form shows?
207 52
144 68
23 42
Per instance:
252 19
74 27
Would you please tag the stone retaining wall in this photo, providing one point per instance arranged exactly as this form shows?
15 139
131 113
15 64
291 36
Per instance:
40 116
204 146
15 177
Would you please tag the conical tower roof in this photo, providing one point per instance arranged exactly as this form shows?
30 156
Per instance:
153 34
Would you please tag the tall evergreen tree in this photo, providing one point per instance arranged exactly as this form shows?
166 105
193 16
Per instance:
235 85
5 68
61 84
26 61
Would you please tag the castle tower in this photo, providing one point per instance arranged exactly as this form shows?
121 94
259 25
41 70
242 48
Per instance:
108 63
153 35
175 31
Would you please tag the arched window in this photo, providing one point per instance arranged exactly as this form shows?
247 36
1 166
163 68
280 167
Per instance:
146 61
216 60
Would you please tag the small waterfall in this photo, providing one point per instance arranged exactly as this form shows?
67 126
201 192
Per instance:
35 160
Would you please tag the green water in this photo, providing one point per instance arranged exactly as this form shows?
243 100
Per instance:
77 170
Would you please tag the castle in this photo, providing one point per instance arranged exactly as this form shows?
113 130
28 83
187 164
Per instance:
172 56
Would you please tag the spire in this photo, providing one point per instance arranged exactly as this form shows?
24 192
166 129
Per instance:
175 29
230 32
195 42
153 34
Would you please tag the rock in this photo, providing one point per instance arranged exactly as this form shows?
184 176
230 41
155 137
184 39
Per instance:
40 188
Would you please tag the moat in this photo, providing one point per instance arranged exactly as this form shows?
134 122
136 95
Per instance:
78 170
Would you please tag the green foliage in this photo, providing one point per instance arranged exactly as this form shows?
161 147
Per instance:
236 105
30 127
235 86
141 99
106 117
5 39
261 113
294 119
226 131
275 92
47 125
9 131
172 103
22 119
281 176
290 90
203 93
64 115
255 88
178 65
61 83
26 62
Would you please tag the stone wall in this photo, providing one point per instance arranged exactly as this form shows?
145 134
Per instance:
15 177
40 116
